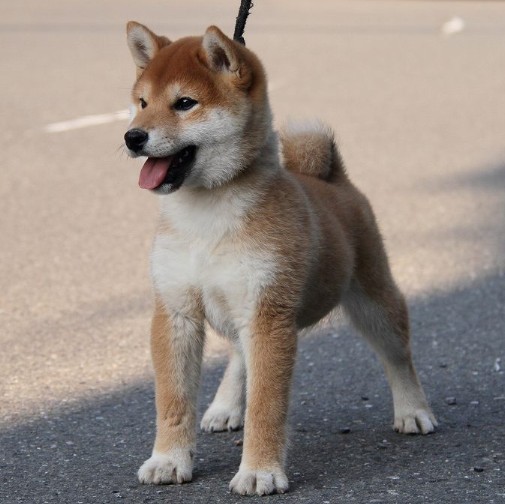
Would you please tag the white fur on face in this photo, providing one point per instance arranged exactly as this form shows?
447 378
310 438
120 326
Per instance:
219 139
161 145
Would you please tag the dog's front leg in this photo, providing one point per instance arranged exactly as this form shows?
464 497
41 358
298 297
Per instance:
270 350
176 346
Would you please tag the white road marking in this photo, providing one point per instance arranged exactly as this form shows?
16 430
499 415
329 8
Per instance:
453 25
86 121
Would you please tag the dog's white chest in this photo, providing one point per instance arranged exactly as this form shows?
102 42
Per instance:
228 275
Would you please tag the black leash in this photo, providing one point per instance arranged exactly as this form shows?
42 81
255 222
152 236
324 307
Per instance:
243 12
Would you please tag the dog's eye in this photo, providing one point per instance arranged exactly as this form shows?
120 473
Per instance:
184 103
143 103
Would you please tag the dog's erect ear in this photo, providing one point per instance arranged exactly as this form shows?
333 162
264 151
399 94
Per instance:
223 55
143 44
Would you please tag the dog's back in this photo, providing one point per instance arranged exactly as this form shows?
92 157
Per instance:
350 252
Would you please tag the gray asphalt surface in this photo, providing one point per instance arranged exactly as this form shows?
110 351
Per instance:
420 118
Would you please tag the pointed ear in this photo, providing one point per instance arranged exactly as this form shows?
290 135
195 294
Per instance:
224 55
143 44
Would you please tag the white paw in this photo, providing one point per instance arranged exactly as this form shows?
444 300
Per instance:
416 421
221 418
260 482
175 466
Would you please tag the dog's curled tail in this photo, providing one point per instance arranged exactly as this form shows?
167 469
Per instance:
310 149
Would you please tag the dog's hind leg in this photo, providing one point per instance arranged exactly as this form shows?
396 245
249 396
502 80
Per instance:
379 312
226 411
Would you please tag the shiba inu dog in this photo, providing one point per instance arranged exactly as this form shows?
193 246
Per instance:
258 237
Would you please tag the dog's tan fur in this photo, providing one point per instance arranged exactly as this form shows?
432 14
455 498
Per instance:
260 250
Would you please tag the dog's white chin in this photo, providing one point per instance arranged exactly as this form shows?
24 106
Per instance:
215 166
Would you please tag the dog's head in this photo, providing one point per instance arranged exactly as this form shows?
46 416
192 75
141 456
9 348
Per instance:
199 109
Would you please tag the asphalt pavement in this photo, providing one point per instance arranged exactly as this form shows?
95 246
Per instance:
415 91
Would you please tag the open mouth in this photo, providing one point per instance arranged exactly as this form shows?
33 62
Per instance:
165 175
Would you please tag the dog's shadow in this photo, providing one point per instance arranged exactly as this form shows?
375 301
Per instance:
341 442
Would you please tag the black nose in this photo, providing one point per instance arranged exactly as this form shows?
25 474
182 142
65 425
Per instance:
135 139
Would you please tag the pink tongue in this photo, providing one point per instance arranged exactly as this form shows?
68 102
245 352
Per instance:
153 172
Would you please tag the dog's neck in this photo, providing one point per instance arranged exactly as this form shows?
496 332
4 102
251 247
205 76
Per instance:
209 214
